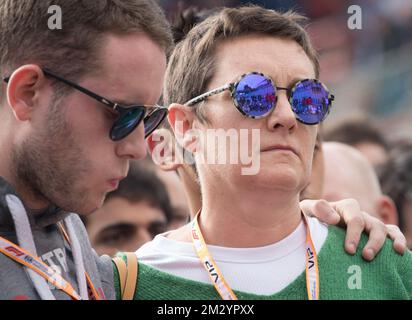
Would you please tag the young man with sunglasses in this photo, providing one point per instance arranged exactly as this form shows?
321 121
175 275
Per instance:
73 104
250 239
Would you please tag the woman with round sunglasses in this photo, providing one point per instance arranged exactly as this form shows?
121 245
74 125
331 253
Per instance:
255 96
255 69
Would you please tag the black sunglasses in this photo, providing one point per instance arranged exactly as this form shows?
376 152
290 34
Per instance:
128 117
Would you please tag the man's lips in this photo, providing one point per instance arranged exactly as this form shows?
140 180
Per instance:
114 183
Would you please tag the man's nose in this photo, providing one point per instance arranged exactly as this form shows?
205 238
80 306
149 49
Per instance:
133 146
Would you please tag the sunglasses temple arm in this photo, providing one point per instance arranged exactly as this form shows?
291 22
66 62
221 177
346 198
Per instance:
153 108
208 94
105 101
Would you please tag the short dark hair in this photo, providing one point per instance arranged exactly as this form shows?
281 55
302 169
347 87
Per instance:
186 20
354 132
396 178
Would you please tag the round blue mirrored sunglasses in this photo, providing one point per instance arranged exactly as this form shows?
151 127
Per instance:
255 96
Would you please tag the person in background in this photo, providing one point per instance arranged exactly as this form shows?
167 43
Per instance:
348 174
396 181
180 206
180 213
314 190
131 215
364 136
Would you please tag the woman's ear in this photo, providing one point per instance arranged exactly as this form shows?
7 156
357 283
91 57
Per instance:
23 89
181 120
161 144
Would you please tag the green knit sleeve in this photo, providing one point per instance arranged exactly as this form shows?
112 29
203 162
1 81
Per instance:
405 271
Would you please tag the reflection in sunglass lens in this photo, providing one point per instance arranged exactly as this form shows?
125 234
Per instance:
153 120
310 101
127 122
255 95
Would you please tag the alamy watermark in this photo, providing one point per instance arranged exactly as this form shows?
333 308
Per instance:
355 279
55 21
355 18
210 146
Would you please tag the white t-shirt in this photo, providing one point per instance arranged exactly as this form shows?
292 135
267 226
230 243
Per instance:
263 270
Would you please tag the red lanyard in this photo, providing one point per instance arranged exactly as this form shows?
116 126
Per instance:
222 287
23 257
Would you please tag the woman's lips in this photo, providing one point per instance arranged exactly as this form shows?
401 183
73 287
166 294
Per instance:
280 148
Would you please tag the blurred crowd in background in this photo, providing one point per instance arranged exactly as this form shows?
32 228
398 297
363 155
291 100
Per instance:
370 73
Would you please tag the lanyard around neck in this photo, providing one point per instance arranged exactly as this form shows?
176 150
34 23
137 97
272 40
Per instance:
219 282
23 257
93 294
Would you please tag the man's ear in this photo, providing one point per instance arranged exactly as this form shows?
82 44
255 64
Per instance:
162 149
181 120
22 90
386 210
